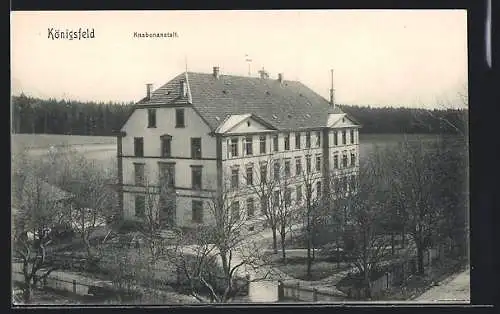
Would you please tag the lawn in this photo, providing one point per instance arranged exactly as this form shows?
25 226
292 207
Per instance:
296 266
46 140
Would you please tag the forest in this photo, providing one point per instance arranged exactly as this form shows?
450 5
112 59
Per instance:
51 116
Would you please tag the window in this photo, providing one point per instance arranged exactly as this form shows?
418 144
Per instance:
234 147
287 168
140 202
262 140
275 143
139 146
263 206
197 215
235 211
263 172
276 198
248 145
139 173
353 183
167 174
179 118
287 141
335 138
308 163
235 178
344 160
352 136
318 163
308 140
318 139
196 175
344 137
276 166
336 186
335 161
297 140
318 189
249 176
151 118
298 166
166 146
353 159
299 193
196 147
250 208
288 196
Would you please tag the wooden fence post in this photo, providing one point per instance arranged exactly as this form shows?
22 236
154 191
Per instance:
315 295
297 295
247 277
281 291
74 286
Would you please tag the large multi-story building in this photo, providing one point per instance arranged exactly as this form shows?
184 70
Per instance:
201 133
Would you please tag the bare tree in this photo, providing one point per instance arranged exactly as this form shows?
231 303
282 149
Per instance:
263 185
36 207
414 174
308 179
224 243
93 204
364 233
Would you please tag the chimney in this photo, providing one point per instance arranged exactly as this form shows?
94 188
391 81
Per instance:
149 90
216 72
183 88
280 78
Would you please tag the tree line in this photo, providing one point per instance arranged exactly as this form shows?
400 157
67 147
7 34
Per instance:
70 117
51 116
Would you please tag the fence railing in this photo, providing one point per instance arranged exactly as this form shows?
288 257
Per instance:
398 272
294 292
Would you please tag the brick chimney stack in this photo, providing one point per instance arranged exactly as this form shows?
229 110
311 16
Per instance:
216 72
280 78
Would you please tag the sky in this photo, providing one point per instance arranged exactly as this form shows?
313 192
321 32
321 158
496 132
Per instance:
409 58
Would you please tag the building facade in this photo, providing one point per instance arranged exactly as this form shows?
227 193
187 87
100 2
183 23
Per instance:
202 135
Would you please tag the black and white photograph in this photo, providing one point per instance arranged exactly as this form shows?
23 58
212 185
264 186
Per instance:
239 157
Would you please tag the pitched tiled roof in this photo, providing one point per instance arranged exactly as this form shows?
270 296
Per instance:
286 105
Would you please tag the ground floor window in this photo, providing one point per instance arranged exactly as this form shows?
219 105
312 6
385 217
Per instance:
140 202
197 215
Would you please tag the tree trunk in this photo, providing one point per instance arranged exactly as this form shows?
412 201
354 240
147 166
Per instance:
392 243
309 257
27 291
283 238
420 259
275 240
403 238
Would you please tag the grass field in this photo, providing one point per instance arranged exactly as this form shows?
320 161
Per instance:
47 140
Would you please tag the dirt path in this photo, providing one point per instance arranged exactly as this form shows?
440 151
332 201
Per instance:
455 288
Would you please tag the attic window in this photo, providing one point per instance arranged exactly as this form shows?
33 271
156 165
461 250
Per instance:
248 123
343 119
